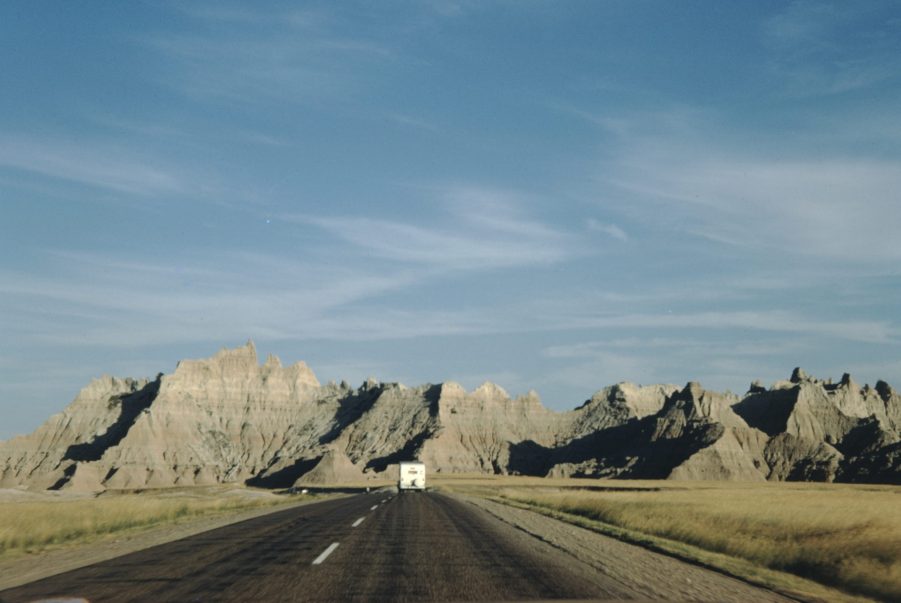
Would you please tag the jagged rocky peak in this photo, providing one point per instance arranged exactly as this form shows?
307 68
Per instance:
371 383
642 400
229 419
698 403
885 391
693 390
226 359
241 363
272 362
816 410
112 385
486 393
700 398
799 375
637 400
800 378
452 389
490 392
301 374
531 397
616 405
756 387
97 414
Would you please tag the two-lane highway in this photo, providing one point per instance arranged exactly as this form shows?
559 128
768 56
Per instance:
368 547
429 547
373 547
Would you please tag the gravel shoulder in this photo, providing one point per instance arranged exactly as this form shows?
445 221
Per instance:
652 575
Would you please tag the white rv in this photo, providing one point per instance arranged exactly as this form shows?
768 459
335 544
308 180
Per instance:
412 476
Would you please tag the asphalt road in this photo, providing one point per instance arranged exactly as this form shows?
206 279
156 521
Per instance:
368 547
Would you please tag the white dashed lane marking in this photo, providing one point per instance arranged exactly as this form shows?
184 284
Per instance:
331 548
374 507
358 522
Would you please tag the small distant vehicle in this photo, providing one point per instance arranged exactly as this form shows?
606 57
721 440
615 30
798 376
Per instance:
412 477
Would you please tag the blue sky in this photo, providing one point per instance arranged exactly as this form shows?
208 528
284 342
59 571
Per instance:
550 195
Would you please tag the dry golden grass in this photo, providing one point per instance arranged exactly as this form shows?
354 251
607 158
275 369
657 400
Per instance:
36 524
845 536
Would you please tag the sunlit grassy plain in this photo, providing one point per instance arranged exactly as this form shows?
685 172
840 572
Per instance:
843 536
35 524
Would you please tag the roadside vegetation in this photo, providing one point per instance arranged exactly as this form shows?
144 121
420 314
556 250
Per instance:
843 536
38 523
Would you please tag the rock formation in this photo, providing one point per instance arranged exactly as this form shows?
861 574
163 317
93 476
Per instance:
230 419
332 468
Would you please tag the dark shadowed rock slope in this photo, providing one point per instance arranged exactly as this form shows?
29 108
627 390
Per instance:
230 419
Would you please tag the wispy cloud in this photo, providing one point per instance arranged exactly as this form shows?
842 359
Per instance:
779 321
686 172
113 300
184 135
693 343
819 49
806 23
107 302
102 167
246 71
99 301
611 230
840 208
223 13
253 57
481 230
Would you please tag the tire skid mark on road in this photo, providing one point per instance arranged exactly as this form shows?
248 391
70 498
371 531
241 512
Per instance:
324 555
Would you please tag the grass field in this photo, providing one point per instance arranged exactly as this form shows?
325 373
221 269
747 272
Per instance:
36 523
845 536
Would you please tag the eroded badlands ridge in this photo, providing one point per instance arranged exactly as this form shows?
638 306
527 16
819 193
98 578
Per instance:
230 419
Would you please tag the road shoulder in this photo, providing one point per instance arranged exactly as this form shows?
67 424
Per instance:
653 574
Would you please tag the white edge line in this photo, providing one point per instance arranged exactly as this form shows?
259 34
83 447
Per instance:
357 522
331 548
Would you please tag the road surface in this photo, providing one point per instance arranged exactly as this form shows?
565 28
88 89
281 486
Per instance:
368 547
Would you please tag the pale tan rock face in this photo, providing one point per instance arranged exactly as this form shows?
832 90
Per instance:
616 405
725 459
393 427
736 454
222 419
476 429
41 456
230 419
333 468
818 429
